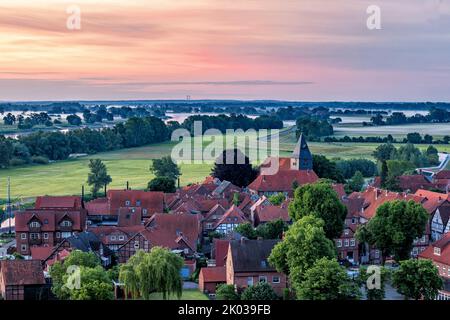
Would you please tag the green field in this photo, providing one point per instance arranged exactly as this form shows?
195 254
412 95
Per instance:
186 295
132 165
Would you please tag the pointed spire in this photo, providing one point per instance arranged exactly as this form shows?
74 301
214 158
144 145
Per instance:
302 155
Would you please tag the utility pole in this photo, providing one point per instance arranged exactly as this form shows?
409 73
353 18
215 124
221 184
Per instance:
9 204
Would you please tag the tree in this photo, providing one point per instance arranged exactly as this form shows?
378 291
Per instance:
226 292
277 199
327 169
320 200
246 230
394 228
156 271
384 173
98 177
365 275
356 182
262 291
235 167
327 280
95 284
163 184
303 244
272 229
384 152
74 120
165 167
417 279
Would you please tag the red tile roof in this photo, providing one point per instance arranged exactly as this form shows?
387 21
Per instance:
340 190
98 207
233 215
283 180
432 200
444 174
150 200
374 198
283 163
214 274
410 183
21 272
46 202
165 230
50 219
105 232
220 251
41 253
444 245
271 213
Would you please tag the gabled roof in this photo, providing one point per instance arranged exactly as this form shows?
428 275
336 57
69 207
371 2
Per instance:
444 212
63 202
214 274
153 201
234 215
282 181
410 183
432 200
98 206
444 245
49 219
217 210
271 213
252 255
21 272
220 251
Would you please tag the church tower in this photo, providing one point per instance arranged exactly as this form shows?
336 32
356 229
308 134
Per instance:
301 158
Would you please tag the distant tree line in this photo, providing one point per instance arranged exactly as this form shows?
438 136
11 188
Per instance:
313 127
40 147
435 114
223 122
413 137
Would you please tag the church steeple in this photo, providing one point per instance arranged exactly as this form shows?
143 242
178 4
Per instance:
301 158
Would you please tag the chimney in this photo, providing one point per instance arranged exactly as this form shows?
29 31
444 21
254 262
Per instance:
82 196
128 186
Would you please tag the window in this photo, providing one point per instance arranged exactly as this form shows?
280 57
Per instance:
352 242
346 232
263 279
35 224
339 243
34 236
138 203
377 254
58 235
136 244
353 220
249 281
263 264
23 247
346 242
23 236
133 210
66 234
144 211
437 251
127 203
121 238
66 223
113 238
45 235
275 279
46 221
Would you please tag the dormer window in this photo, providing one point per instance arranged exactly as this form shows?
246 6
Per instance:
263 264
35 224
66 223
437 251
46 221
113 238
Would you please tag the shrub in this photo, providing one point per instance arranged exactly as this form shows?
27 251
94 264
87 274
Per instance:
39 159
17 162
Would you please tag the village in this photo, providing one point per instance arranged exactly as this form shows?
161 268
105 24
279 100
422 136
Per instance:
215 229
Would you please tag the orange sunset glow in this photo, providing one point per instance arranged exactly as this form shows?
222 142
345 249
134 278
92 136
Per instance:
217 49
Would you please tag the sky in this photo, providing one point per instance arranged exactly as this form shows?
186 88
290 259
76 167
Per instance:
303 50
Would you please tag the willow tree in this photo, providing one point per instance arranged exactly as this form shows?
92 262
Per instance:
156 271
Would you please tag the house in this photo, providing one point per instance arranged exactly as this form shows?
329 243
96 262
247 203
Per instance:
22 280
212 217
230 220
439 253
409 183
59 203
347 244
210 277
178 232
442 179
296 169
114 236
438 206
47 227
247 265
219 251
107 211
264 214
